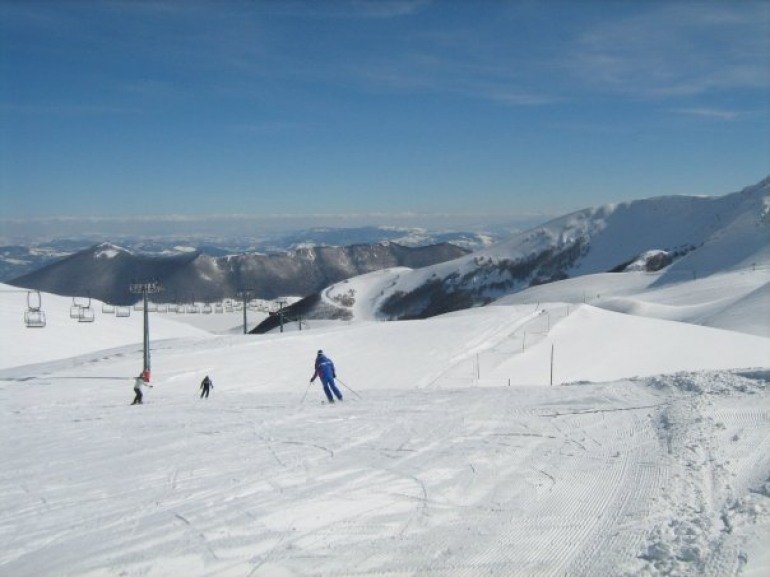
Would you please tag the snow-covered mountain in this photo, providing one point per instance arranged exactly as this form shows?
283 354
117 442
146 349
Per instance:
688 237
19 258
605 424
540 435
106 271
404 236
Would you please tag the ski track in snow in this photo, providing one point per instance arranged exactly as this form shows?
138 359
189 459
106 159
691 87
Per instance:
609 479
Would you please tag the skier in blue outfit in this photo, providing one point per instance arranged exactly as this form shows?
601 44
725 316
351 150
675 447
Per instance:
324 368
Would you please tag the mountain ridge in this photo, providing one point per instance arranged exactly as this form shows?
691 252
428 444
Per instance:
105 271
686 236
19 256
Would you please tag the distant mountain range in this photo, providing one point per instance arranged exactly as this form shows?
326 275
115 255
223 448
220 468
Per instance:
17 260
106 271
684 236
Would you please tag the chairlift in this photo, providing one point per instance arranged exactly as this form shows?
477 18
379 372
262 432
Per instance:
82 302
34 317
34 300
86 315
81 310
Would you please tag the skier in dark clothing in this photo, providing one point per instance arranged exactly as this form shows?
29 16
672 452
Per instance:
139 382
206 384
324 368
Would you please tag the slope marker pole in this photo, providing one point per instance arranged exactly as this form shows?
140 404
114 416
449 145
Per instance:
551 365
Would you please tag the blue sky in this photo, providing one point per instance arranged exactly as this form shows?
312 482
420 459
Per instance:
122 108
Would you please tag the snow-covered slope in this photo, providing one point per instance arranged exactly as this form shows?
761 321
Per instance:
701 235
64 336
451 454
738 300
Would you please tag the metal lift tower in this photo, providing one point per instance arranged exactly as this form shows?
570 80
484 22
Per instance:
146 288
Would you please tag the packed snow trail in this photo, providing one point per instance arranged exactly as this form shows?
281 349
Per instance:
596 479
654 461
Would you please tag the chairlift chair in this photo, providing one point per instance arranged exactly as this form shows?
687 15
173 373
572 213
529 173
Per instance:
82 301
34 317
86 315
79 305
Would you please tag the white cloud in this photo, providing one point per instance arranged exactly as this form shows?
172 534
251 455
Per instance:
711 113
391 9
678 49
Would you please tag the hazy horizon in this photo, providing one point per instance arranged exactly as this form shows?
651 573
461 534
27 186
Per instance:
46 229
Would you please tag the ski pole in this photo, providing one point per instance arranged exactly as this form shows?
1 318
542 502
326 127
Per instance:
348 388
306 390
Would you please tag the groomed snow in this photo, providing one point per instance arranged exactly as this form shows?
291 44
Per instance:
451 455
